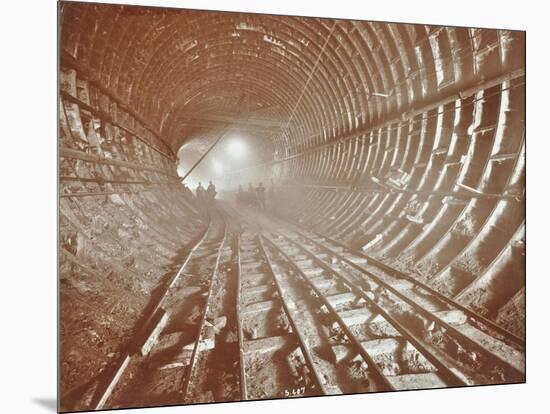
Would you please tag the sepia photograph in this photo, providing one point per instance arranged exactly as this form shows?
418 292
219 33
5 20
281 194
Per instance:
263 206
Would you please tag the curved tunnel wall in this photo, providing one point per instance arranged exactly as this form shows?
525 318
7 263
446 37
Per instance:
404 140
437 189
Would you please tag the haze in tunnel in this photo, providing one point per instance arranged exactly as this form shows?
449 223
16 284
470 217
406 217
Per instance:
401 146
228 163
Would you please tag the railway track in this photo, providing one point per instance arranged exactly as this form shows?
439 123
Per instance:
275 356
275 311
210 375
370 264
402 333
448 337
363 335
339 357
166 352
355 257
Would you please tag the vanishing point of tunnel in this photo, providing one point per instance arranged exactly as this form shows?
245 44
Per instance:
359 225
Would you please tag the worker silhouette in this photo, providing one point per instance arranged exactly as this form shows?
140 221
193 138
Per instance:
200 192
260 195
211 192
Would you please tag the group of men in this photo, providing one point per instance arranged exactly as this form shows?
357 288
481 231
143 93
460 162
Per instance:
204 195
254 197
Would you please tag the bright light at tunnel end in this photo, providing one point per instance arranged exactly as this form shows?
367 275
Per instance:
237 148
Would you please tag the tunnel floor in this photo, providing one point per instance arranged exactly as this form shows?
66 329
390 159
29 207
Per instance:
257 307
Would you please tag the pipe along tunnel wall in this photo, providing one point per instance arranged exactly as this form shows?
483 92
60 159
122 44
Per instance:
404 141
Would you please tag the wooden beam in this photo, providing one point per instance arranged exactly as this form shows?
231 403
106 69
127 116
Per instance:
80 155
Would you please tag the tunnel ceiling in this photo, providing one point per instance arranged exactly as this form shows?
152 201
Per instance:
298 81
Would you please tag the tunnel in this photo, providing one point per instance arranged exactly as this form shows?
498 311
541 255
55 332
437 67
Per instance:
391 145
